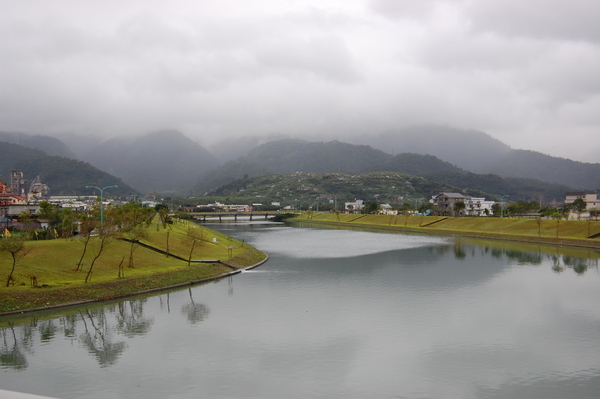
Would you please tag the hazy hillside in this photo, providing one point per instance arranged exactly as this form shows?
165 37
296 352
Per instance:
80 144
50 145
165 161
531 164
467 149
64 176
478 152
323 188
288 155
415 164
444 172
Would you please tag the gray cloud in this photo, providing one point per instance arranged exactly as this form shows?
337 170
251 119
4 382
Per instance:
525 72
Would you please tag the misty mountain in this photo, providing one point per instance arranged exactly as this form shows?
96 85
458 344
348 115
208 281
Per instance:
479 153
535 165
444 172
290 155
64 176
80 144
163 161
50 145
287 156
416 165
468 149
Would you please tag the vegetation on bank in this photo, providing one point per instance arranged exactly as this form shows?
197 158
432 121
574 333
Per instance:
46 275
553 231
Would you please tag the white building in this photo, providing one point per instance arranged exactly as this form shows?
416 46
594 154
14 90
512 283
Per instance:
590 198
478 206
356 206
444 204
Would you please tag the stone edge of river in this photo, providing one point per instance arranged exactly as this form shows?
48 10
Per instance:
149 291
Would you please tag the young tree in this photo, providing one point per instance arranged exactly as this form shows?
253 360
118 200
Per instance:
557 216
194 236
579 205
163 213
86 229
15 246
371 207
459 207
104 240
496 210
134 234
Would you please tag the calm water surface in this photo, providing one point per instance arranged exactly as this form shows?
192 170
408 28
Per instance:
333 313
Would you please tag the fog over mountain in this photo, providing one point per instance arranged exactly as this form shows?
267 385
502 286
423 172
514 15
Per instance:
239 73
164 161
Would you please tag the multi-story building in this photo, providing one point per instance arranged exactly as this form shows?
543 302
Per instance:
444 205
590 198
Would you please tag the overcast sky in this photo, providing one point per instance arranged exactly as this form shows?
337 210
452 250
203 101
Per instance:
525 71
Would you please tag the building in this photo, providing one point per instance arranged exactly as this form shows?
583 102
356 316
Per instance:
474 206
37 190
17 182
10 203
478 207
444 203
590 198
354 207
386 209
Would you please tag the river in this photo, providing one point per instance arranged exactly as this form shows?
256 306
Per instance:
333 313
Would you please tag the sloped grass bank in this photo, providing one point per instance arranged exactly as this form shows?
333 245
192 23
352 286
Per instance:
53 264
549 231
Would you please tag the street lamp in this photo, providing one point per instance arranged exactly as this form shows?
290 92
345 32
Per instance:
502 207
101 201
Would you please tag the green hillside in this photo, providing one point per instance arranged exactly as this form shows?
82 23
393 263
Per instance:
288 156
309 188
64 176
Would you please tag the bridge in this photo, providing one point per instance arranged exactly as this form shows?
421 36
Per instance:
202 216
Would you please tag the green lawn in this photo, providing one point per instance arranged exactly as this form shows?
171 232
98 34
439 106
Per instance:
569 231
53 263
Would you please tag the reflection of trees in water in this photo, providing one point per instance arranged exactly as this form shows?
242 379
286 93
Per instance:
459 252
12 352
559 261
98 330
579 265
97 337
194 312
163 303
131 320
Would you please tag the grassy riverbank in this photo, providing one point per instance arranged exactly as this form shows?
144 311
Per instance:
551 231
53 264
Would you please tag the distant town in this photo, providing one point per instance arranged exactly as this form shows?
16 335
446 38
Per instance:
18 199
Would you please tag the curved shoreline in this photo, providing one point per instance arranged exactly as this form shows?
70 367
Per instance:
457 233
143 292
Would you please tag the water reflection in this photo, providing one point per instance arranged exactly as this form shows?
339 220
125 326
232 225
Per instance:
194 312
12 353
98 337
559 258
99 330
402 317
